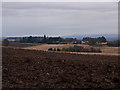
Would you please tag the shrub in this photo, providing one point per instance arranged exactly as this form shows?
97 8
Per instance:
58 49
50 49
54 49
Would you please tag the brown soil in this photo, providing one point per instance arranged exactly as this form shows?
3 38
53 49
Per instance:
40 69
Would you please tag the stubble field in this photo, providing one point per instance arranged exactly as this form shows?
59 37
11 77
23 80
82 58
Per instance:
105 49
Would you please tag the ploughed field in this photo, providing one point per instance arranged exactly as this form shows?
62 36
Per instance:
40 69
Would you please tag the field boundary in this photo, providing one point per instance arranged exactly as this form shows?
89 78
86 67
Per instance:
79 53
84 53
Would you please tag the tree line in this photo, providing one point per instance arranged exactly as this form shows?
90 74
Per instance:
50 40
93 41
60 40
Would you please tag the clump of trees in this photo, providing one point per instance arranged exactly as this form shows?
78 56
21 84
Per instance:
5 42
49 40
114 43
31 39
77 49
93 41
50 49
54 49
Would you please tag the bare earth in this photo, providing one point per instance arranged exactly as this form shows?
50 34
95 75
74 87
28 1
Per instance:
105 50
39 69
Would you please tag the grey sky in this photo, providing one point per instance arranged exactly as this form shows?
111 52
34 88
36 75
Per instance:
61 19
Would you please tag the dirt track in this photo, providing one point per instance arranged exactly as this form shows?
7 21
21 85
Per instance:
39 69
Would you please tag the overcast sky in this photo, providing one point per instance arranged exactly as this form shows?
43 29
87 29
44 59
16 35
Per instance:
53 19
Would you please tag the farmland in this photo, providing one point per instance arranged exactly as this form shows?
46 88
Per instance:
41 69
105 49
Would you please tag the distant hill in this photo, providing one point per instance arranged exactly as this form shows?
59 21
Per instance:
2 37
10 37
14 37
107 36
